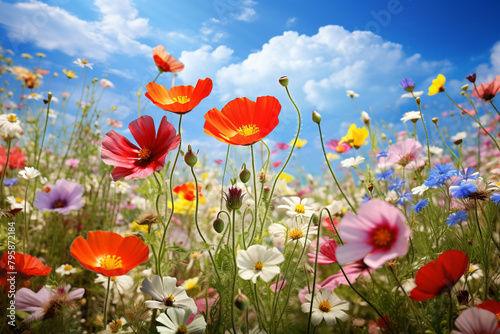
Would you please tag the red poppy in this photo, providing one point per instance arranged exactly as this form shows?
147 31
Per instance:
179 99
16 158
487 91
186 192
165 61
492 306
131 161
23 267
439 276
242 121
109 253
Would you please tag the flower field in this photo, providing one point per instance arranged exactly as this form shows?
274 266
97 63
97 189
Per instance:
105 231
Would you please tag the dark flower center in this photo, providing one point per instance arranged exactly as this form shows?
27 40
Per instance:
60 203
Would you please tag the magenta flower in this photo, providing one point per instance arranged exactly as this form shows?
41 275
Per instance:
407 153
377 234
282 146
338 147
352 271
326 253
61 197
46 302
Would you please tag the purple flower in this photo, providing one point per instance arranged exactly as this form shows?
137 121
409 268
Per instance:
61 197
496 197
408 84
471 77
456 218
10 182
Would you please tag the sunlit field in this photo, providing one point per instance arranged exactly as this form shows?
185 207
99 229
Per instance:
203 209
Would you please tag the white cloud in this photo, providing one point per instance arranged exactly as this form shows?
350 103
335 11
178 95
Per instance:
291 22
203 62
53 28
245 11
487 72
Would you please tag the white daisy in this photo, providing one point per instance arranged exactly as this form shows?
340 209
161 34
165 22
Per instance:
82 63
296 207
419 190
66 269
120 187
326 305
34 96
352 162
106 83
175 322
258 261
166 293
436 150
457 139
10 126
413 116
351 94
293 230
29 173
120 285
18 203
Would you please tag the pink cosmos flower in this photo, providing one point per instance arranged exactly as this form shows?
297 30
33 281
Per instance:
276 164
219 161
72 163
307 290
352 271
338 147
476 321
407 153
377 234
273 152
326 254
65 95
281 285
282 146
114 123
487 91
46 302
131 161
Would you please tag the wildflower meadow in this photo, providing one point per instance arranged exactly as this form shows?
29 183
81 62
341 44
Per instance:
122 225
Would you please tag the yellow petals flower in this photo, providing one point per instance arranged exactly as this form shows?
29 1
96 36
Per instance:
300 143
355 136
437 85
332 156
70 74
137 227
26 55
190 283
286 177
41 55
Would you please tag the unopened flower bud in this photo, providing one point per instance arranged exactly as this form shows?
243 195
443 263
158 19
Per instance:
370 187
465 87
435 120
234 198
283 81
316 117
190 157
266 192
241 301
139 92
462 93
471 77
365 118
245 174
218 225
417 99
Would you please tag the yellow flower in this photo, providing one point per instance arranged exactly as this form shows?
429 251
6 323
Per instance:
300 143
286 177
137 227
41 55
437 85
26 55
355 136
190 283
70 74
332 156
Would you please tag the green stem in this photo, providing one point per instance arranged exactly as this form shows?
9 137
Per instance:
2 200
314 281
450 312
235 269
223 175
255 219
26 219
449 149
498 112
106 304
425 129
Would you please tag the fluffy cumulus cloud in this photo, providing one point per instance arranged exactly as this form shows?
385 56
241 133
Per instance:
203 62
53 28
487 72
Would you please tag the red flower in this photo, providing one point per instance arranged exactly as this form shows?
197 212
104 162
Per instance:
165 61
131 161
23 265
16 158
439 276
243 122
109 253
492 306
186 192
487 91
179 99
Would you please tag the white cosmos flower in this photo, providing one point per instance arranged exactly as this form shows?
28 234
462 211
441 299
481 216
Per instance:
411 116
106 83
296 207
29 173
459 136
293 230
66 269
120 285
83 63
436 150
352 162
258 261
120 187
175 320
34 96
326 305
18 203
10 126
351 94
419 190
166 293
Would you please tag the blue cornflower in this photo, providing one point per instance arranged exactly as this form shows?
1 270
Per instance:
468 174
404 197
495 197
385 175
408 84
420 205
10 182
397 183
456 218
366 198
439 175
381 154
463 190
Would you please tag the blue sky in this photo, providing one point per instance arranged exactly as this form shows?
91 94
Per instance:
325 47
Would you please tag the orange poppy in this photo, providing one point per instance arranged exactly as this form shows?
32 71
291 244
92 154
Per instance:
109 253
165 61
179 99
16 268
242 121
186 192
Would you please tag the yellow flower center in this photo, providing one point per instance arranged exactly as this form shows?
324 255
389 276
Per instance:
84 62
12 118
169 301
181 99
382 237
324 306
110 262
296 234
300 209
259 265
113 278
68 267
248 130
144 153
19 200
182 330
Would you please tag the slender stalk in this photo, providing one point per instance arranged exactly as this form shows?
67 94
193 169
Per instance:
498 112
235 272
450 312
2 199
223 175
44 131
106 304
255 219
26 219
449 149
314 281
425 129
